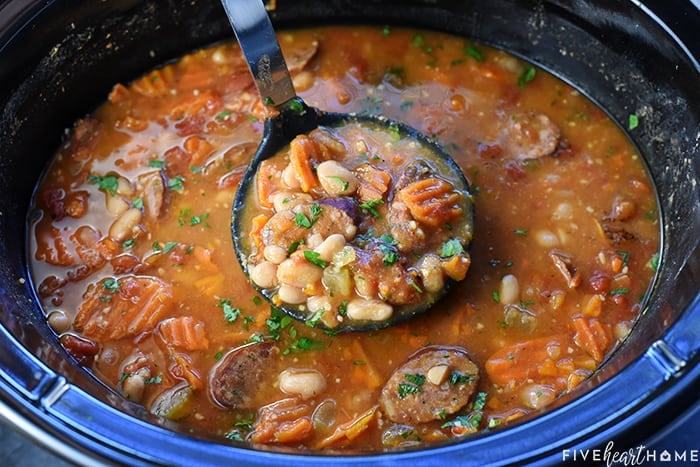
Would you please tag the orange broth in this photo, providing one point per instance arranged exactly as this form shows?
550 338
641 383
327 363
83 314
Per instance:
135 211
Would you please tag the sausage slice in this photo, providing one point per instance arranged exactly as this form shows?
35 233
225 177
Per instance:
234 381
435 382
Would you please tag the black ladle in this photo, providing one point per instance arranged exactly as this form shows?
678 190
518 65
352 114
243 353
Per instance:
261 48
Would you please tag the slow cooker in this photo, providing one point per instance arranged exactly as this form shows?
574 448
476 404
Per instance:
58 60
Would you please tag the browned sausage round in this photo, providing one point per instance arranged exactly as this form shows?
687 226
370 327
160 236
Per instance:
236 378
531 135
433 383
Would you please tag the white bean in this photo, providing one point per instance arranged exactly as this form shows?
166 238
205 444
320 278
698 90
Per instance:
510 289
124 225
283 200
430 270
303 81
116 204
290 294
537 396
275 254
59 321
298 272
264 274
133 387
306 383
372 310
336 179
290 179
546 238
563 211
314 240
330 246
124 187
318 303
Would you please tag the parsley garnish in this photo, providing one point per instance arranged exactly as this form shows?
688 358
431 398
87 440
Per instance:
406 389
195 220
313 257
625 256
156 163
296 106
474 53
302 220
418 41
633 122
276 323
343 308
112 285
480 400
413 284
451 247
231 314
311 322
108 183
415 381
294 246
654 261
527 75
223 115
168 247
344 184
177 183
522 232
370 206
154 380
304 343
456 378
234 435
417 378
395 130
620 291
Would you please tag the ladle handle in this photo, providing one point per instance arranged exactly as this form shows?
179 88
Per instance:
257 39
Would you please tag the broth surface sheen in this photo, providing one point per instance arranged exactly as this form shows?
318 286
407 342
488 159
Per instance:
131 255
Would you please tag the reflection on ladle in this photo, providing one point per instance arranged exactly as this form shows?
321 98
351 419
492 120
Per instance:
390 266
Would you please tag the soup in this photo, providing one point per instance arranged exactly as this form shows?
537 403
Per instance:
132 258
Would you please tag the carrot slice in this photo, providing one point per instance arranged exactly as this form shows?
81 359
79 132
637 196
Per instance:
256 227
264 183
518 362
432 201
156 83
185 332
349 430
114 309
294 431
592 337
366 371
182 368
374 183
199 148
457 266
284 421
302 152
